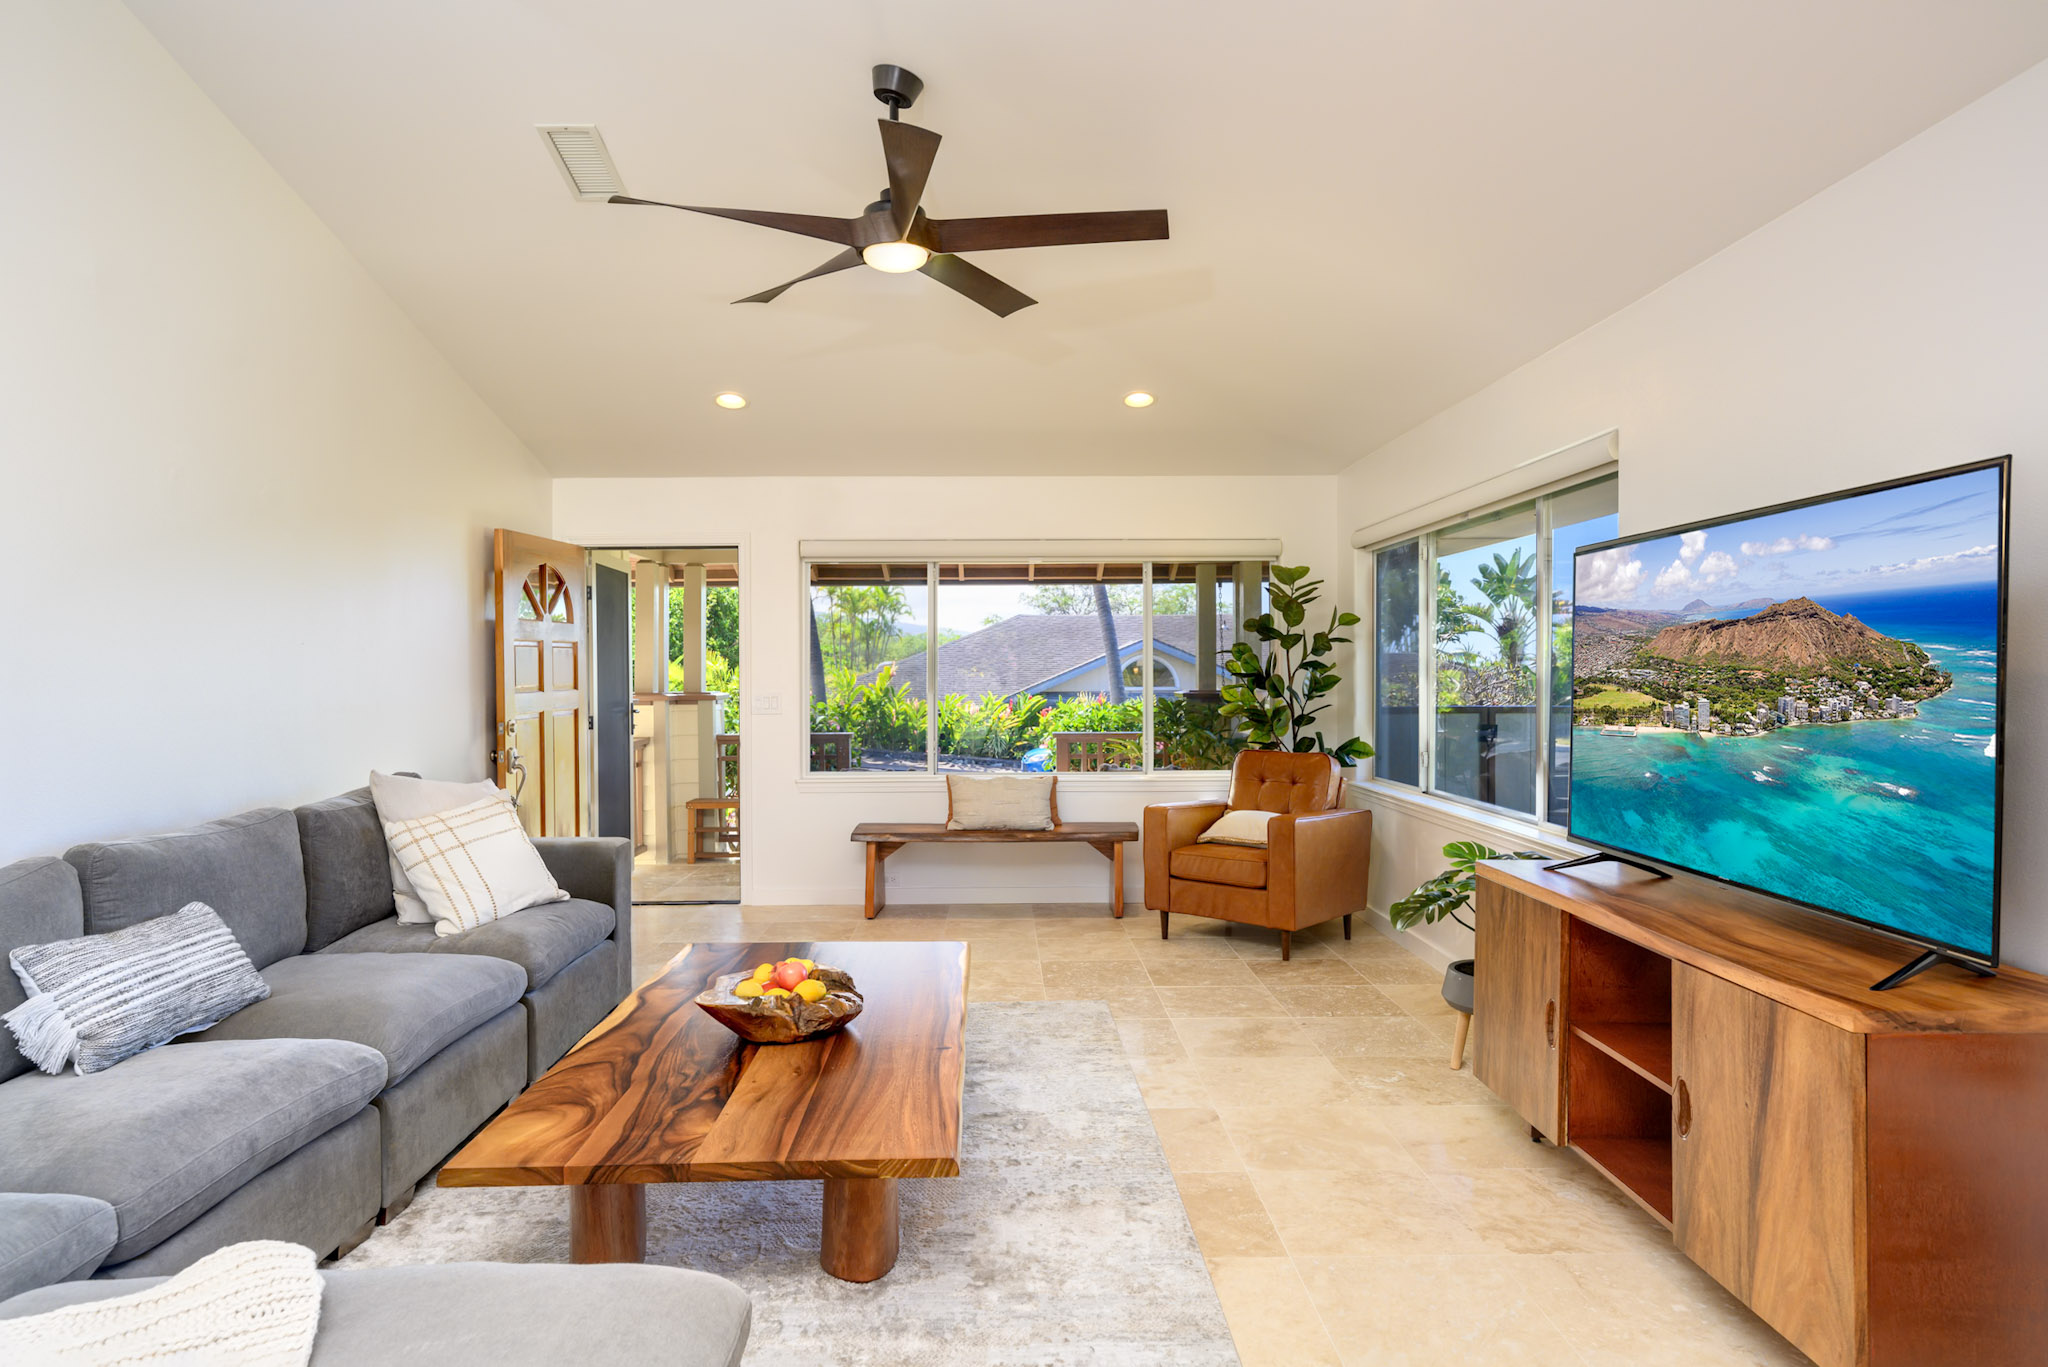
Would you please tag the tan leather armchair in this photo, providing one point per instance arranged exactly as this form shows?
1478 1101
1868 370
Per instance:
1313 868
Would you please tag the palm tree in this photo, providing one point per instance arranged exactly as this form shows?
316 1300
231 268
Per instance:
1508 583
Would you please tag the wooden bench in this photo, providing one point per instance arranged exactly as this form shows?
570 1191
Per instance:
1106 838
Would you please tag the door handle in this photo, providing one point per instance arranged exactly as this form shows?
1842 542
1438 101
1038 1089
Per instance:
1550 1023
1684 1110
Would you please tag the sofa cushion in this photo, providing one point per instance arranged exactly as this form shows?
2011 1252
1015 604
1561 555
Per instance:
245 867
50 1237
506 1314
167 1134
39 903
1241 866
542 940
407 1007
348 867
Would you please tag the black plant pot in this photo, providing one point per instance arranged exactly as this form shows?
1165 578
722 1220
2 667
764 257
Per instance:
1458 985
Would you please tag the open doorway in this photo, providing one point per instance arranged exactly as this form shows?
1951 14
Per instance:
668 735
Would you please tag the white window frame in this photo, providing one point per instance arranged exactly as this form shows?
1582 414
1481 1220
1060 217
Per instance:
1424 792
1267 554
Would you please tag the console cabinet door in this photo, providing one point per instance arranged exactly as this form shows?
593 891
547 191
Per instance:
1518 1005
1768 1144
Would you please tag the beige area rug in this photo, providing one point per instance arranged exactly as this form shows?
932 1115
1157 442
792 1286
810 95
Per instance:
1062 1242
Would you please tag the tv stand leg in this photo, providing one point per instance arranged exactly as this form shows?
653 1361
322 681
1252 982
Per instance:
1925 962
1585 859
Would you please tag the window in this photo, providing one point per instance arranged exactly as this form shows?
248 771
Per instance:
1034 665
1496 666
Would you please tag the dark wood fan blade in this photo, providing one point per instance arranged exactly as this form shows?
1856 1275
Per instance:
846 260
909 151
1047 230
838 230
977 284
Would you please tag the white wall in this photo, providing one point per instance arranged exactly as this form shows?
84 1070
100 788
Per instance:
797 826
246 505
1893 324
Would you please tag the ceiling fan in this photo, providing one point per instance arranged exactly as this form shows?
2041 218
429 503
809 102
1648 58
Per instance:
896 236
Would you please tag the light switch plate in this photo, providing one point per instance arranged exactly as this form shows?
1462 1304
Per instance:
767 702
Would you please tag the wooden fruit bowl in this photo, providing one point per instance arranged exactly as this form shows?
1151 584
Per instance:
782 1020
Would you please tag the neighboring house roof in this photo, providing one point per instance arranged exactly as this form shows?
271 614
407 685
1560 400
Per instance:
1035 652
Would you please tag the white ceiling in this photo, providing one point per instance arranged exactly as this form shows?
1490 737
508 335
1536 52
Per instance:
1377 207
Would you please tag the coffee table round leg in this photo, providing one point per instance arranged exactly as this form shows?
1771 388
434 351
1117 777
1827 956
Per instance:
861 1215
608 1223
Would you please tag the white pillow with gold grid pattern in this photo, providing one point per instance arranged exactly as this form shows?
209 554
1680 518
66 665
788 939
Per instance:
471 864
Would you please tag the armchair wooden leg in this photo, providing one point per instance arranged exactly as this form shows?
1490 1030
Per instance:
1162 923
1347 925
1286 945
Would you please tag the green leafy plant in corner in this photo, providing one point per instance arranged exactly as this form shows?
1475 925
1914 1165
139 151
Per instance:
1277 695
1450 891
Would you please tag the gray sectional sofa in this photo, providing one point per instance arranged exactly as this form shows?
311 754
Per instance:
379 1050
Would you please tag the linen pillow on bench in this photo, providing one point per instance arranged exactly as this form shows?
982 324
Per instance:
1002 802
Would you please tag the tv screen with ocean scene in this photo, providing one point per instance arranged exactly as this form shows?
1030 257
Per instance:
1805 701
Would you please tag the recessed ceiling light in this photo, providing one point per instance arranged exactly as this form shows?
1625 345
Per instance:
1137 398
730 400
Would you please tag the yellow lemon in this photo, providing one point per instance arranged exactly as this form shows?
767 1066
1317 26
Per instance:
762 972
776 992
807 963
746 989
810 989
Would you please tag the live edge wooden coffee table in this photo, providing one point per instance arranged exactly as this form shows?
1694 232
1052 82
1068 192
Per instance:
660 1092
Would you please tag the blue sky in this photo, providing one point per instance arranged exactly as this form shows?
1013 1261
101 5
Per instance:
1938 533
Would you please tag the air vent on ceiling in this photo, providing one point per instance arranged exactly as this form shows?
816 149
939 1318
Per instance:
578 148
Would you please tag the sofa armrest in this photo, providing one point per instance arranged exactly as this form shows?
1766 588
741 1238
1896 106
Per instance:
1168 826
597 868
1318 864
46 1239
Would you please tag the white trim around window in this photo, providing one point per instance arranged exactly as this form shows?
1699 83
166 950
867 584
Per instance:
1536 504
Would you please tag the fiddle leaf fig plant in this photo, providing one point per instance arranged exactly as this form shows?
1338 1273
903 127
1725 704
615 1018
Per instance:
1277 693
1450 891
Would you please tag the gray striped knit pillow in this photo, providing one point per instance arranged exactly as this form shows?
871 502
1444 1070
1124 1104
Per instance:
102 998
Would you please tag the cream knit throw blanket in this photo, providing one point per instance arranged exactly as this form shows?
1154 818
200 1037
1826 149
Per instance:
249 1305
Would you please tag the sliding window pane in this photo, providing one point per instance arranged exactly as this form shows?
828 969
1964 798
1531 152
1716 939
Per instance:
867 667
1194 624
1397 680
1487 620
1041 667
1578 517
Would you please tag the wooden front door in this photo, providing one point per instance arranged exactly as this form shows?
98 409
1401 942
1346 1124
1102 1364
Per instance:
1518 1006
541 746
1768 1150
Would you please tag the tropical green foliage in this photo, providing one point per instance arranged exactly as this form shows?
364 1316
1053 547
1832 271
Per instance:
1450 891
1279 695
1128 599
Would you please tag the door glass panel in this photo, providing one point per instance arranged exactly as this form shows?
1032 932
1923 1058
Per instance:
1486 630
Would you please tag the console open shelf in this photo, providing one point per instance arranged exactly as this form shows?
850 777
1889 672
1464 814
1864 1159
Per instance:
1643 1047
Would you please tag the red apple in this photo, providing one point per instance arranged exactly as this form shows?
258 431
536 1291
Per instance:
789 974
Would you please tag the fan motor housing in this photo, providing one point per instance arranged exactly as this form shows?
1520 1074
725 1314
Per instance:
895 86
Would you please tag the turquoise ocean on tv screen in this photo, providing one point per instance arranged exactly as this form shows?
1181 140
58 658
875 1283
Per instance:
1889 821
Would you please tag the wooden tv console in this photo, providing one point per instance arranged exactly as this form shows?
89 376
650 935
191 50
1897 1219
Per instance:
1867 1171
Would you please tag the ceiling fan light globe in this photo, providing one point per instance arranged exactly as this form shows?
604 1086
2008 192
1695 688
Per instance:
895 257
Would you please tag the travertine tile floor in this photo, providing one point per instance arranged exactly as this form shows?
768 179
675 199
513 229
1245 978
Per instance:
710 880
1359 1203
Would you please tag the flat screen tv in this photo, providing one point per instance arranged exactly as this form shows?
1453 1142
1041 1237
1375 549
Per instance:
1807 700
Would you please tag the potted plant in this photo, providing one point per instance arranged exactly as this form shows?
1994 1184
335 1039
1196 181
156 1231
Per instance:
1278 695
1445 896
